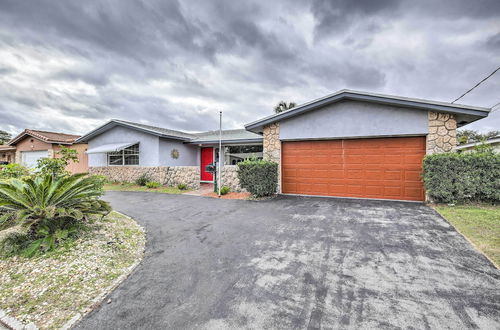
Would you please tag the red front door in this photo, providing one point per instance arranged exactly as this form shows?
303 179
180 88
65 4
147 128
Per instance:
207 157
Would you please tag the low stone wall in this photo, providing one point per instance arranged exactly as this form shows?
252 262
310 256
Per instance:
166 175
230 178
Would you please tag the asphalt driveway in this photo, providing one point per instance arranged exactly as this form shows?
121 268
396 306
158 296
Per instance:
298 263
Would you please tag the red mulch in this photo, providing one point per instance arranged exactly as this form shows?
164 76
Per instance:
230 195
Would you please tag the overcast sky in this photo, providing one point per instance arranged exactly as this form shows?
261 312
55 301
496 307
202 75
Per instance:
72 65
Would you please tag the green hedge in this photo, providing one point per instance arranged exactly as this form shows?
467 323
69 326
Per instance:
465 177
259 177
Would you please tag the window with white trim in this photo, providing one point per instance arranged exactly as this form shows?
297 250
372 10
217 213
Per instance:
127 156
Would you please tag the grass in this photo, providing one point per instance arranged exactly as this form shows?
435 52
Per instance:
479 223
134 187
49 290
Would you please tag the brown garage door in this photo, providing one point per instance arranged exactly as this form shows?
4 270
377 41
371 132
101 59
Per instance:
386 168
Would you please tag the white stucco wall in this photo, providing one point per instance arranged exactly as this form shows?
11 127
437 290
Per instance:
355 119
148 145
188 154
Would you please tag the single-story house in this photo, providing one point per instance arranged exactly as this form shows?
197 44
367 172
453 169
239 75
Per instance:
7 154
123 150
494 143
347 144
31 145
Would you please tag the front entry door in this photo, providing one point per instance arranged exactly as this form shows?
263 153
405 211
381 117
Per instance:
207 157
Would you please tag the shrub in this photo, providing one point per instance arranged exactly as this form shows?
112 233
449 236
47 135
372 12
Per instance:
224 190
142 180
465 177
153 184
11 171
259 177
182 186
13 240
50 208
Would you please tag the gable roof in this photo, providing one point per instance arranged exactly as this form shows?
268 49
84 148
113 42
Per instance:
466 114
158 131
228 136
46 136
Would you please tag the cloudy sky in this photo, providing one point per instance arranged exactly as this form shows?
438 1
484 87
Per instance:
72 65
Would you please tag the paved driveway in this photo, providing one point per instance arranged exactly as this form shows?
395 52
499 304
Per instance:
297 263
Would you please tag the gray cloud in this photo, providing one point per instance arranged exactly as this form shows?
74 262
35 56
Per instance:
73 65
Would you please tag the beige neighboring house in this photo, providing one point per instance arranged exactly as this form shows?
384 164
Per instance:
7 154
468 147
32 145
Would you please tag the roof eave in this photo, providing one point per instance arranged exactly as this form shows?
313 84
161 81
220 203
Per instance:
256 140
112 123
473 144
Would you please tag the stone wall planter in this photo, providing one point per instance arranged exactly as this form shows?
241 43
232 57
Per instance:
166 175
230 178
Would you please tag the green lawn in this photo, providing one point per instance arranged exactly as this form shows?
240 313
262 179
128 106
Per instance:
134 187
479 223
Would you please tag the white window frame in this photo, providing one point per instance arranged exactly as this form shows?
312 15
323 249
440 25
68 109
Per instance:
108 154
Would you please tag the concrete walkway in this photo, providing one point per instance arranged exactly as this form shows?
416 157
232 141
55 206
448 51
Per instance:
298 263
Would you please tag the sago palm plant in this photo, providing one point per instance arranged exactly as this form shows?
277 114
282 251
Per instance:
48 207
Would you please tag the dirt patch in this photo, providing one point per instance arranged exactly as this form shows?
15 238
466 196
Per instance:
52 289
231 195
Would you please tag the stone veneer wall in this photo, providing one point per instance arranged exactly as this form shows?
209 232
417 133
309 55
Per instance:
272 143
442 135
272 147
230 178
166 175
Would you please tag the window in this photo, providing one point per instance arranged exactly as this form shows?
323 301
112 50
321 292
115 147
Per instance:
235 154
127 156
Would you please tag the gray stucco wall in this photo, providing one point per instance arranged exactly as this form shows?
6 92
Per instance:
148 145
188 154
355 119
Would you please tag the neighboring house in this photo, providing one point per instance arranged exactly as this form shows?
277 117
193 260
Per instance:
7 154
32 145
494 143
348 144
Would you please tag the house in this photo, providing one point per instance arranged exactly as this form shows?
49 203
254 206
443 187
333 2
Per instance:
494 143
7 154
347 144
31 145
123 150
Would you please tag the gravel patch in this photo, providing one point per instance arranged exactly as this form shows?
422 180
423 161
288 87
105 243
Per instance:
54 289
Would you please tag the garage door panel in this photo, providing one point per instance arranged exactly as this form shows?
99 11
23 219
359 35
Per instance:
413 192
387 168
30 158
393 175
413 176
354 159
374 191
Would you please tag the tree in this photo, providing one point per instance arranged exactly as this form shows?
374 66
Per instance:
470 136
283 106
56 166
4 137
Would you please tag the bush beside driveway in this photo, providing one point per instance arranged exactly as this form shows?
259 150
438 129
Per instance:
297 262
